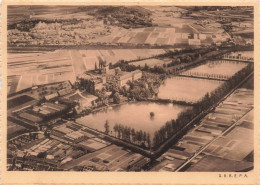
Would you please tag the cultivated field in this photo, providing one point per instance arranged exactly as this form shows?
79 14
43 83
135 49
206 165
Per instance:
28 69
180 35
92 57
37 69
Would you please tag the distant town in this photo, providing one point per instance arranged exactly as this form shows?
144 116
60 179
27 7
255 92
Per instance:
130 88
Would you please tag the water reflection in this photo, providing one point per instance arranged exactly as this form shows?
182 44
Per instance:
135 115
186 89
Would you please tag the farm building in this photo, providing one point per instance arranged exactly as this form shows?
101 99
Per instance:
92 82
124 77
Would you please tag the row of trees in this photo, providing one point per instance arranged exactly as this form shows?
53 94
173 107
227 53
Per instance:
184 56
217 94
127 66
184 53
129 134
173 126
134 136
207 75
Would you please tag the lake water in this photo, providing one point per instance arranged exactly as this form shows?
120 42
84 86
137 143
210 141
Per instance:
135 115
186 89
242 55
214 68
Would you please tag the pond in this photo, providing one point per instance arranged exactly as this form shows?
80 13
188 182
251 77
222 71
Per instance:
186 89
240 55
216 68
135 115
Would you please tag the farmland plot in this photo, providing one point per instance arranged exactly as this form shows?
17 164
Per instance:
38 69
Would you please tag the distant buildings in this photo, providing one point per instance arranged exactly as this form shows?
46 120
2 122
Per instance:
37 114
30 112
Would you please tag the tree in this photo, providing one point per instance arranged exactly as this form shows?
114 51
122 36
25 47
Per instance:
141 135
110 65
148 139
128 133
96 66
124 91
146 67
133 135
120 129
156 139
138 136
162 133
174 125
115 128
124 133
144 136
169 129
116 98
106 127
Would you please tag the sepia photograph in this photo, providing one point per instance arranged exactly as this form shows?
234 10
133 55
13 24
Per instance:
130 88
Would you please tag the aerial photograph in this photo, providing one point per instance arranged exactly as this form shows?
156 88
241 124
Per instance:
130 88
